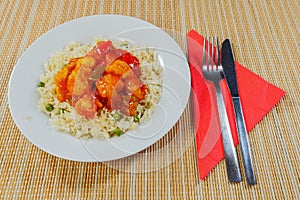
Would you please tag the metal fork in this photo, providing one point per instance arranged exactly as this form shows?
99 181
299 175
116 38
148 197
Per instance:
214 72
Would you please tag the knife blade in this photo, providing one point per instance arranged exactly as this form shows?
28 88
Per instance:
230 75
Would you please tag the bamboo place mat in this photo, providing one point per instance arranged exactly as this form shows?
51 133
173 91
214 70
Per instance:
265 37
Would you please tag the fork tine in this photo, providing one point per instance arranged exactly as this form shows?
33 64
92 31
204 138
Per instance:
218 51
212 53
210 64
208 53
204 54
219 66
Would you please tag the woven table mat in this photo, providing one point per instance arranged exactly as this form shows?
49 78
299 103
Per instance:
265 37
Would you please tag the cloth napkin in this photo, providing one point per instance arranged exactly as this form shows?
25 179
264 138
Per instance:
257 99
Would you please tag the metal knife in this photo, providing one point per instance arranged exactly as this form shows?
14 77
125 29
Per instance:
230 74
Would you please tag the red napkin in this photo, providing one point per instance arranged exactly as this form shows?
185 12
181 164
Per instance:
257 99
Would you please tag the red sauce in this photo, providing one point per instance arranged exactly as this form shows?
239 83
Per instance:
106 77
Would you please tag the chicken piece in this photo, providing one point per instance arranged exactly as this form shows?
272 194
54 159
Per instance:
86 106
60 80
78 81
131 84
118 67
81 85
102 88
87 61
136 93
133 104
71 80
115 102
109 83
141 92
129 106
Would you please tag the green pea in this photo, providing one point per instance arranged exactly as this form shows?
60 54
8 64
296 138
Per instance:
49 107
61 110
136 119
124 45
117 116
117 132
41 84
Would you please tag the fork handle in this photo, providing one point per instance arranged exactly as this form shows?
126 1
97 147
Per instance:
244 143
232 165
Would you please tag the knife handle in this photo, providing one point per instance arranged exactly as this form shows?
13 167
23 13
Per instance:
232 164
244 143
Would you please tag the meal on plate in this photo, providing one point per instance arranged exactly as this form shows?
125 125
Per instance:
100 89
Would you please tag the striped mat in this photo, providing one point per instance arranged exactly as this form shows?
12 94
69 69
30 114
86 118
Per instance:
265 37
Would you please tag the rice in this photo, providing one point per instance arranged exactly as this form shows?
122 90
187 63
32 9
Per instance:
64 118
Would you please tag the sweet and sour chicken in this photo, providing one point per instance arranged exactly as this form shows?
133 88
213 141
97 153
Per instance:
106 77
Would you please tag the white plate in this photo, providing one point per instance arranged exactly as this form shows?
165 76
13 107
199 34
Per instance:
34 124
